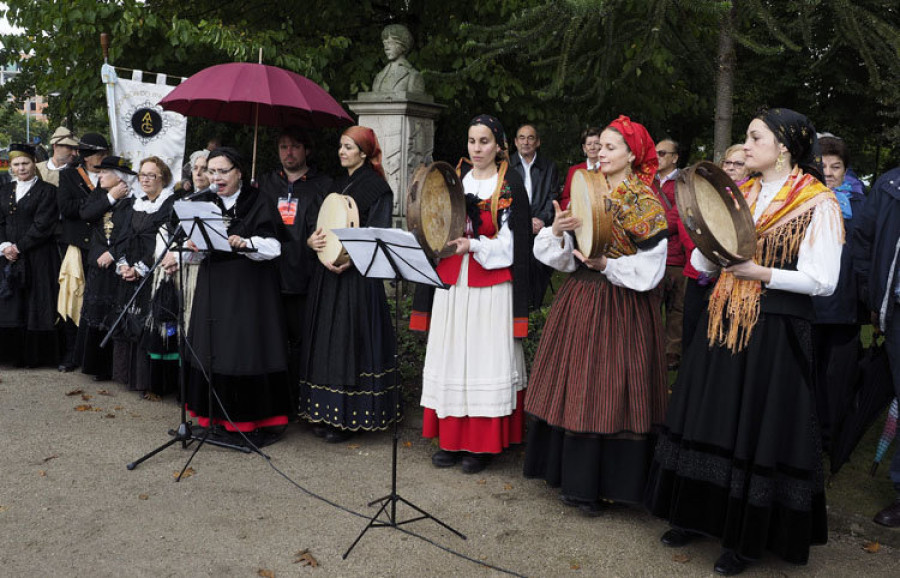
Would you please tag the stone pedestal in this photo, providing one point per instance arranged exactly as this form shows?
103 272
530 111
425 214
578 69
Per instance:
404 125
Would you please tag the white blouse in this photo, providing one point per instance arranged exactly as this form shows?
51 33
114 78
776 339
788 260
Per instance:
639 272
496 253
819 258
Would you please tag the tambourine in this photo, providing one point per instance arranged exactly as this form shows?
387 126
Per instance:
715 214
337 212
436 208
590 202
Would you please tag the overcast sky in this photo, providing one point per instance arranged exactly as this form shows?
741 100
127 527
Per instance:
5 28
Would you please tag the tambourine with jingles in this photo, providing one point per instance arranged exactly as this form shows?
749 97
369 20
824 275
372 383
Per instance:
590 202
436 208
337 212
715 214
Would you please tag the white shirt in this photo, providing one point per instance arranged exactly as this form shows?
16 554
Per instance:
22 188
527 167
639 272
819 257
669 177
496 253
592 167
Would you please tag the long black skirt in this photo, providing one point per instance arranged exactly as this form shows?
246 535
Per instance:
348 371
739 457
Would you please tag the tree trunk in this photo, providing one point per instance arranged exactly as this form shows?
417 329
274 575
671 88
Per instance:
724 86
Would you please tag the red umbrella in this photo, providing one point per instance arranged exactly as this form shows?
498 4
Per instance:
256 94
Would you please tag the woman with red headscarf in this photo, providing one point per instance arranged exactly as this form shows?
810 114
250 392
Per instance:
598 383
347 364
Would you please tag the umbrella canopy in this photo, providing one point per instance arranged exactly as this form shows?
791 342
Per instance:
256 94
874 391
887 436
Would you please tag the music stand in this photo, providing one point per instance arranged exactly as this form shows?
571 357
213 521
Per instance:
396 255
203 221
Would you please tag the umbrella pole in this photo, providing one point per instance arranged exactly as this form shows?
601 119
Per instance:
255 131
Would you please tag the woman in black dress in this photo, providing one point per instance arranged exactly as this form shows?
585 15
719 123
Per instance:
29 265
150 209
110 206
347 365
237 316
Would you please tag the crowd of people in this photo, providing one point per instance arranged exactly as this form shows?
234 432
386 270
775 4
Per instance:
763 348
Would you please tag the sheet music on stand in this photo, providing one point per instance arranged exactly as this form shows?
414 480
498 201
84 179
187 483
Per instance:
211 216
399 248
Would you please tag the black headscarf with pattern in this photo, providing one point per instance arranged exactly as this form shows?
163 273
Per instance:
798 134
494 125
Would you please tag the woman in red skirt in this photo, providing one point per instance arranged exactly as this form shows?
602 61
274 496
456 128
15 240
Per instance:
598 384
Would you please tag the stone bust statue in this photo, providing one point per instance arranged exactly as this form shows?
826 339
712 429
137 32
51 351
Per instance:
399 75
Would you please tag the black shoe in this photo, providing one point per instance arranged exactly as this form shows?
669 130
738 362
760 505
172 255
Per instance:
444 459
66 367
570 501
730 564
474 463
592 509
336 436
320 430
889 516
676 537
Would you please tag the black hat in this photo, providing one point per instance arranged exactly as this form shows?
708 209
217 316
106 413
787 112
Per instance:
21 150
117 164
92 142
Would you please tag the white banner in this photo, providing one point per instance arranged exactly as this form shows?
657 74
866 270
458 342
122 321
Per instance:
139 127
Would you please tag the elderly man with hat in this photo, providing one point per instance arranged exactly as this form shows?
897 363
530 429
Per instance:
64 145
76 184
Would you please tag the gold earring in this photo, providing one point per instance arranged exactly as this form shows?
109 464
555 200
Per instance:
779 162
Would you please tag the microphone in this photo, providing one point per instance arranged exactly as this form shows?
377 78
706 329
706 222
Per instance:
212 188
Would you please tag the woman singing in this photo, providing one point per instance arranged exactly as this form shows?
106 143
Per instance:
347 364
739 458
474 376
598 384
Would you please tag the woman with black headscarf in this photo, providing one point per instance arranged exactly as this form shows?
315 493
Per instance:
739 458
473 381
237 316
29 264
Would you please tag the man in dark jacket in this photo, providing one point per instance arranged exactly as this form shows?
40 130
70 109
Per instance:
297 189
542 184
876 252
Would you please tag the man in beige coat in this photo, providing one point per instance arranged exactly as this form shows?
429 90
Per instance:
64 144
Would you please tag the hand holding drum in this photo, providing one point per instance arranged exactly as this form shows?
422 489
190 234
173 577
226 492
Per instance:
337 212
436 210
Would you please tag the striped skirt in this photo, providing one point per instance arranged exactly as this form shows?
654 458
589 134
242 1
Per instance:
600 366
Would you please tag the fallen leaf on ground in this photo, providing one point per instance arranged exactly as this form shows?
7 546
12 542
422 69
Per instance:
97 409
681 558
2 508
84 407
86 396
407 444
507 486
481 482
152 397
187 473
353 446
48 458
266 573
575 566
104 392
75 392
134 414
872 547
143 496
304 558
110 415
42 473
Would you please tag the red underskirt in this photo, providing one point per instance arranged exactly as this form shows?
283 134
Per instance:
483 435
244 426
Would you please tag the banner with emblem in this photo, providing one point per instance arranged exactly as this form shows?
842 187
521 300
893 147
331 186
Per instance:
139 127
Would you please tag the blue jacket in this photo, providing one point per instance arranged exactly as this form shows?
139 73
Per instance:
843 306
876 245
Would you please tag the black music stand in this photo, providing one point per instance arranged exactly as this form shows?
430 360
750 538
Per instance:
396 255
199 229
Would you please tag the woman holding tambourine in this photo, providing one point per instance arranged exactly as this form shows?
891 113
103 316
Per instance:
474 375
347 365
598 383
739 458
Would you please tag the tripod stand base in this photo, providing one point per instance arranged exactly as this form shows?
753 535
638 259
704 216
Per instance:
391 518
186 435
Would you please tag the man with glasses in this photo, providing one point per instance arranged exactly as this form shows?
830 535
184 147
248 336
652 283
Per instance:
542 184
297 189
674 282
